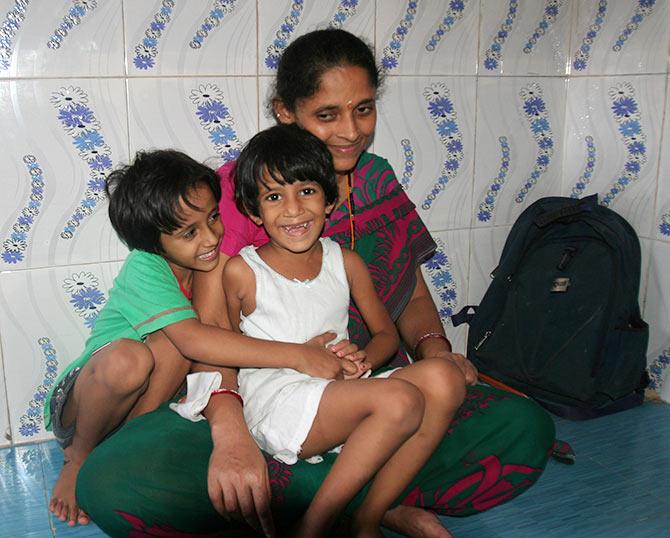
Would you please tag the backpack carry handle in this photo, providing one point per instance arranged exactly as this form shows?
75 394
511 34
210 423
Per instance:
464 315
579 206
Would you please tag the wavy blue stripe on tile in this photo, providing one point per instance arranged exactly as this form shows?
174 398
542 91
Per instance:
219 10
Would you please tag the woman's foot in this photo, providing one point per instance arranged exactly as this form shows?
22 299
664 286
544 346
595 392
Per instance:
63 503
365 532
415 523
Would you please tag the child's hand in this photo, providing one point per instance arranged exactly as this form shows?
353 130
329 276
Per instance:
362 365
317 361
348 351
344 348
360 360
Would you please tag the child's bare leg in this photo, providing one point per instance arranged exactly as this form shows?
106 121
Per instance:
107 388
443 387
373 417
110 391
169 373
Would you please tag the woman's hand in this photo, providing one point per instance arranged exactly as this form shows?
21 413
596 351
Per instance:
237 477
239 487
467 368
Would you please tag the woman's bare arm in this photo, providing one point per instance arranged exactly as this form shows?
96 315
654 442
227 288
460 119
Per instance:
237 478
420 317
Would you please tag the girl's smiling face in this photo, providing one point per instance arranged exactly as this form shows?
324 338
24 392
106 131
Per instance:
292 214
194 246
342 113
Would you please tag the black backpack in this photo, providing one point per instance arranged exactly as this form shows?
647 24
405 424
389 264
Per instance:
561 321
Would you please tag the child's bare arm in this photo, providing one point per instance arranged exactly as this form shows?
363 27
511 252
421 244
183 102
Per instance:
237 477
209 298
240 286
385 339
219 347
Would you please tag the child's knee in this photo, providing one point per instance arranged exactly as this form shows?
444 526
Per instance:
403 404
127 366
443 382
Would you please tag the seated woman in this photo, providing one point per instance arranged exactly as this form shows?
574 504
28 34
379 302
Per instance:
163 475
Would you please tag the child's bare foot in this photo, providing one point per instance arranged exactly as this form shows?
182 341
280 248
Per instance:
63 503
415 523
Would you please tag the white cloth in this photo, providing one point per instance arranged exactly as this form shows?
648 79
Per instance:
280 404
199 388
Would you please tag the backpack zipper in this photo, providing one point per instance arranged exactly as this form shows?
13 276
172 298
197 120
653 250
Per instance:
483 339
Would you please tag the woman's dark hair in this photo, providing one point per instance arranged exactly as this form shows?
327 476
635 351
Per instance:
289 154
144 197
306 59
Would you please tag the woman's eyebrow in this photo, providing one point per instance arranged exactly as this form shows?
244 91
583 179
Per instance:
326 108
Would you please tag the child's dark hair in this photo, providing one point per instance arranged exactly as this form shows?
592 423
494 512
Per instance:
144 197
289 154
306 59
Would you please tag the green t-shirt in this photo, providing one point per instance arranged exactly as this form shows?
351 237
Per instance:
144 298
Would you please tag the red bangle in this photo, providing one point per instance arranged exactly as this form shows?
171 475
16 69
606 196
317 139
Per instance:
229 391
425 337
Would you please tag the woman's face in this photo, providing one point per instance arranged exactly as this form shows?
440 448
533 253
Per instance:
341 112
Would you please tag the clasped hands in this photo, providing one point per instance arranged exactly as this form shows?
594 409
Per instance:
345 360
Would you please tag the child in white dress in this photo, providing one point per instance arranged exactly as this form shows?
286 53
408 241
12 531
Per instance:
299 285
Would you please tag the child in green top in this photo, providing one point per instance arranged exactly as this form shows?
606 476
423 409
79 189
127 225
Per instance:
164 207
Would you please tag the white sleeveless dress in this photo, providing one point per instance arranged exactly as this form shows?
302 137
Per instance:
280 404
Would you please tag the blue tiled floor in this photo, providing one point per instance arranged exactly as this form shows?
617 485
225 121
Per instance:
619 487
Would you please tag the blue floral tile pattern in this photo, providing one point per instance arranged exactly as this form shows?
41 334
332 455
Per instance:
78 10
551 10
283 35
80 123
8 29
219 10
408 171
443 114
30 422
215 118
664 226
626 113
392 52
493 54
147 50
85 297
345 9
536 112
13 248
657 369
451 17
643 10
584 52
587 174
487 206
440 276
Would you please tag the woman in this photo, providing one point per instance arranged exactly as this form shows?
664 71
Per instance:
498 443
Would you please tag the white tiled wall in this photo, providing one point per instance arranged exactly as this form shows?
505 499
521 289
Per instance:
133 74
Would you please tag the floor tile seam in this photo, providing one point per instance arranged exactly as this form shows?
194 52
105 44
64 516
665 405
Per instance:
52 527
664 502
